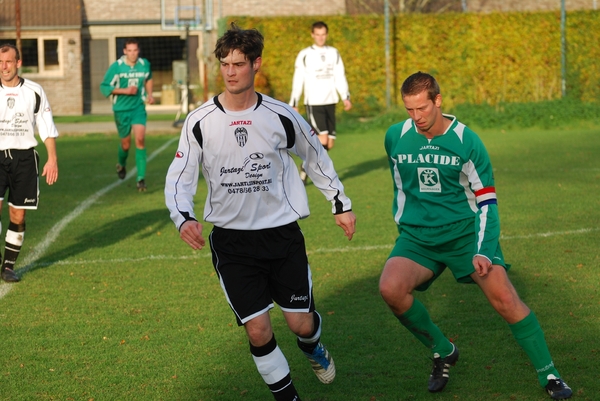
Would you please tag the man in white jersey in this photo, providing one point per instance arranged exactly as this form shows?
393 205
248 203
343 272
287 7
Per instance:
446 210
242 142
319 71
23 106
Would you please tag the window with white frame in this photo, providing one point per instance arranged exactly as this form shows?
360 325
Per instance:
41 56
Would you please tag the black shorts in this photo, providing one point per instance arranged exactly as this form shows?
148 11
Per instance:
19 175
322 119
259 267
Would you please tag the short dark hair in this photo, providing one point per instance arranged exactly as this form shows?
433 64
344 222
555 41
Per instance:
7 46
131 41
249 42
419 82
319 25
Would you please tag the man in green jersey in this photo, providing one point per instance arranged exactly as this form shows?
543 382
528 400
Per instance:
129 82
446 211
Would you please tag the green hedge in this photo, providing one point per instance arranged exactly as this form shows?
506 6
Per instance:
493 58
547 114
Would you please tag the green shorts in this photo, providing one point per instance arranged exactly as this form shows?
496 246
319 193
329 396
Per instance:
126 118
436 248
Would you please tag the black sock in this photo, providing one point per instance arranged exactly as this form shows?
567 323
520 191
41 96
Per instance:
284 390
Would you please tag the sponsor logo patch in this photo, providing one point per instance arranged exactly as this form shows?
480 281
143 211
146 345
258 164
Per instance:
429 180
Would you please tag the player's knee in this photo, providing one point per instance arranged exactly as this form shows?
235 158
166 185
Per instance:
259 338
304 330
259 331
391 291
505 302
125 145
396 288
301 324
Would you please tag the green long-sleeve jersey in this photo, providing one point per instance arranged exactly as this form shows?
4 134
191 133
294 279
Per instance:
121 75
443 180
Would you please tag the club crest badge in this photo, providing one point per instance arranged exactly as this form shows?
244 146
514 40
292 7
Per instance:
241 135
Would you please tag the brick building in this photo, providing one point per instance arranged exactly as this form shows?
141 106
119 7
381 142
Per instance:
154 22
50 43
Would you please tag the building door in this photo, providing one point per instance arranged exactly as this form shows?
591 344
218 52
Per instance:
95 65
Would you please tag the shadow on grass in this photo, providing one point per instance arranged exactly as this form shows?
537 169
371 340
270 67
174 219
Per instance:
364 168
112 232
377 358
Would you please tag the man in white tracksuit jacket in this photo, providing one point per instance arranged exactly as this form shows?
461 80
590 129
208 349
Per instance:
319 71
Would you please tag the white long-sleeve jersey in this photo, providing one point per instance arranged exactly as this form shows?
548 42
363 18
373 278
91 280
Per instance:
319 71
22 108
245 156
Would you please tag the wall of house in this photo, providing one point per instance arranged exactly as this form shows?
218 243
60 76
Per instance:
65 89
112 10
282 7
65 93
137 10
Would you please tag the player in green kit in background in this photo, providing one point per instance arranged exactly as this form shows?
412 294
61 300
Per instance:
447 215
129 81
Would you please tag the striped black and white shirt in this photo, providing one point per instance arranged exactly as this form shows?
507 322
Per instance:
246 159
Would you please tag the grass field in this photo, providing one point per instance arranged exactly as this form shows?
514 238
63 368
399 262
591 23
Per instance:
114 306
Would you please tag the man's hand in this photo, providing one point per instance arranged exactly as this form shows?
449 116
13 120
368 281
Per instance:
482 265
347 104
191 233
131 90
50 171
347 221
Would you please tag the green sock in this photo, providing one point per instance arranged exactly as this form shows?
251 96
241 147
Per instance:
140 163
123 156
418 322
530 337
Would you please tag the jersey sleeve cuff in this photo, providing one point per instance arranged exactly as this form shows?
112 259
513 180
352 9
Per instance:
342 212
478 254
185 221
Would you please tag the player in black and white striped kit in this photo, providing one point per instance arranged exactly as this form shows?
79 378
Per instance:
242 142
23 106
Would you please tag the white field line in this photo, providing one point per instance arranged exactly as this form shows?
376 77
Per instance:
207 254
40 249
551 234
